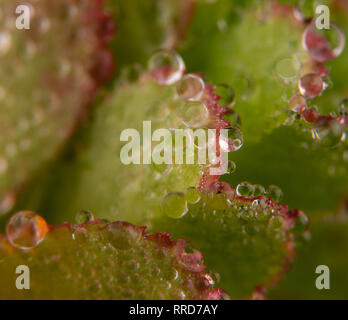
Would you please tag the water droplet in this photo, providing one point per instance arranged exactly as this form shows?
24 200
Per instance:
174 205
192 195
324 44
235 138
259 190
311 85
274 192
84 216
245 189
191 88
226 94
26 229
231 167
195 114
288 68
328 133
297 103
166 67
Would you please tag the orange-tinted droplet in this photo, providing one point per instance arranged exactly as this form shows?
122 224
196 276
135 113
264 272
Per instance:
26 229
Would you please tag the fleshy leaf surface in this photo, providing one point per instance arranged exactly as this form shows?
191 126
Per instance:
113 261
49 74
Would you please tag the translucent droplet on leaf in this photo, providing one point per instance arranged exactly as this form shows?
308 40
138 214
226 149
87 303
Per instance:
328 134
166 67
195 114
190 87
311 85
192 195
274 192
245 189
323 44
84 216
288 68
259 190
231 167
297 103
235 138
174 205
26 229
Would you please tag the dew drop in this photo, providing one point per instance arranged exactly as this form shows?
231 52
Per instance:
245 189
259 190
195 114
231 167
174 205
311 85
226 94
324 44
190 87
166 67
26 229
235 138
288 68
192 195
274 192
84 216
328 134
297 103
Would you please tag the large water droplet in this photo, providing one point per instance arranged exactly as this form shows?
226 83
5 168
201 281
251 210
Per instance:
274 192
191 88
288 68
26 229
166 67
324 44
174 205
192 195
311 85
328 134
245 189
84 216
297 103
226 94
195 114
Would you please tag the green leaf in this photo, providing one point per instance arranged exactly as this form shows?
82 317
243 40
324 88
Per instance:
249 241
250 48
145 26
113 261
49 76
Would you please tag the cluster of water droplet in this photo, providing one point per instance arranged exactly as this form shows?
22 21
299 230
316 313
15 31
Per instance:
248 190
322 46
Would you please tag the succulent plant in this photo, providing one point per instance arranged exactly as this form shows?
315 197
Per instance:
256 73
